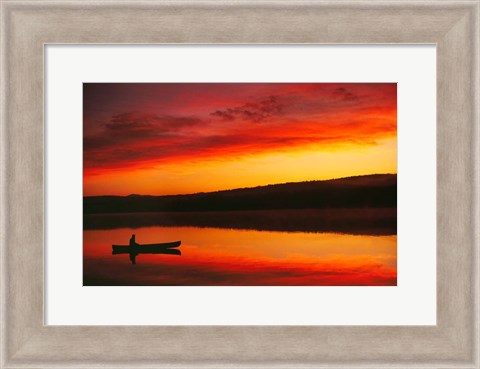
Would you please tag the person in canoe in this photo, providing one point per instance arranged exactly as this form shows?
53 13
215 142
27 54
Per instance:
134 249
132 241
133 254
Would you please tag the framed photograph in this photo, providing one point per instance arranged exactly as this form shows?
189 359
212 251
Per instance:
240 184
259 184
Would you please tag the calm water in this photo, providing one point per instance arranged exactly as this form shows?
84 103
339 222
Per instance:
234 257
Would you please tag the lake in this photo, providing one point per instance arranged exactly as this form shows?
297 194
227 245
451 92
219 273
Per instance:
212 256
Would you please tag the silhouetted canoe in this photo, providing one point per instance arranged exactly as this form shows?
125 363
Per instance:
145 249
135 251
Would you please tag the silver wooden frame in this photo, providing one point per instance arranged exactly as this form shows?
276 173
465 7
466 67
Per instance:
26 26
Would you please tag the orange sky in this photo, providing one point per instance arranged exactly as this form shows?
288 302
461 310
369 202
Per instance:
169 138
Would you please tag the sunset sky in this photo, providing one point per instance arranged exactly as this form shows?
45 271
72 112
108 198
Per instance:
172 138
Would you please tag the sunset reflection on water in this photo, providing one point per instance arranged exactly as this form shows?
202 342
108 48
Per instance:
214 256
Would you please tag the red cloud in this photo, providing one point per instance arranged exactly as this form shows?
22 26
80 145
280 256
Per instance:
290 116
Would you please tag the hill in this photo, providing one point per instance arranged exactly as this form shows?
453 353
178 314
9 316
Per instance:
371 191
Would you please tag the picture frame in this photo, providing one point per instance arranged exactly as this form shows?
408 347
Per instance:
27 26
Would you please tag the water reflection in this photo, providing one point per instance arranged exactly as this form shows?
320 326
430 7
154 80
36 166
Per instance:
232 257
368 221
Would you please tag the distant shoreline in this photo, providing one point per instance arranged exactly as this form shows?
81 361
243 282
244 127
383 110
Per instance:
370 191
246 188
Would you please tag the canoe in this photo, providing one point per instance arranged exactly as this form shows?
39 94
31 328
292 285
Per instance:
135 252
145 249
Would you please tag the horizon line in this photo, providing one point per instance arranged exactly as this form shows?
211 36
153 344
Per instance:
244 188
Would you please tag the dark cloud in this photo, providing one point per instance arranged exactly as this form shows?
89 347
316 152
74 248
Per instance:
148 122
255 112
343 94
127 129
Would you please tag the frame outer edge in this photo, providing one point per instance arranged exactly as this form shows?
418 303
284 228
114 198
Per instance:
4 152
476 181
